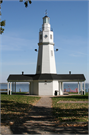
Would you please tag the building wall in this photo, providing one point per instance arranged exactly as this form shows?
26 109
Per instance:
55 87
46 88
47 39
45 59
52 59
46 27
39 61
36 87
29 87
33 88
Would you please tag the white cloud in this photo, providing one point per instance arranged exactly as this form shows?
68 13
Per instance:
81 53
78 54
12 43
74 46
16 63
67 41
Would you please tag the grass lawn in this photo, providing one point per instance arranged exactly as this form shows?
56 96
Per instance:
76 93
70 112
72 92
14 108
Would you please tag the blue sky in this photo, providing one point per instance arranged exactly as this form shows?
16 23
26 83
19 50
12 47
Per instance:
69 20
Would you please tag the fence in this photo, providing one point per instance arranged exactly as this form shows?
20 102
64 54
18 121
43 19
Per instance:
70 90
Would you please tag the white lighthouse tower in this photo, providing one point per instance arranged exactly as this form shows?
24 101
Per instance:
46 81
46 57
46 67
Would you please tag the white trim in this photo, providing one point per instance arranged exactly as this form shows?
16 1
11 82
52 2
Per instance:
81 86
8 88
78 87
29 88
61 88
71 80
84 88
20 80
15 87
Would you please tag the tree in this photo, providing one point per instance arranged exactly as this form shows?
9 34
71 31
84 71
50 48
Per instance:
26 2
2 23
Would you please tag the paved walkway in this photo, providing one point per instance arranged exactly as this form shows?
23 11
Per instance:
41 121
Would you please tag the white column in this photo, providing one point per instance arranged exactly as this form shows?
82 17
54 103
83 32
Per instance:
29 88
84 88
81 86
8 88
38 87
12 86
15 87
61 88
78 87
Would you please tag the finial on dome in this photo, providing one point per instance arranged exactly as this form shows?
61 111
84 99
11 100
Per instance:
46 12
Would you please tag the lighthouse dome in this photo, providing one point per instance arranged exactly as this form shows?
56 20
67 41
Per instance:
46 19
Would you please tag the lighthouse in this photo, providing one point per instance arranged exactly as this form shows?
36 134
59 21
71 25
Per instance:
46 57
46 66
46 81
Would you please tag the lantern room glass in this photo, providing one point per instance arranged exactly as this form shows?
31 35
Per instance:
46 20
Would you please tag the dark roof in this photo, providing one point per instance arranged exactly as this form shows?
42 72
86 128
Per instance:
45 16
62 77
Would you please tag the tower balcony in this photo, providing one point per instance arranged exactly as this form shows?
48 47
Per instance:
40 30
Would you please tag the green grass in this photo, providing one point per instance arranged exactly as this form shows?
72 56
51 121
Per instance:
16 107
72 92
77 93
72 98
70 112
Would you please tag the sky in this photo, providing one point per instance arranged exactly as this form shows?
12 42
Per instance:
69 20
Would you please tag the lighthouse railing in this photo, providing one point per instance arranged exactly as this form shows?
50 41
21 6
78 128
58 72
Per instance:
41 29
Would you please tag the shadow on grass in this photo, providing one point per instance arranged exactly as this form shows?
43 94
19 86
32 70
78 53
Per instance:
70 115
17 93
34 120
4 93
14 106
20 93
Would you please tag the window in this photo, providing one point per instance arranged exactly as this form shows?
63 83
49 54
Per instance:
46 20
51 53
50 36
41 36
